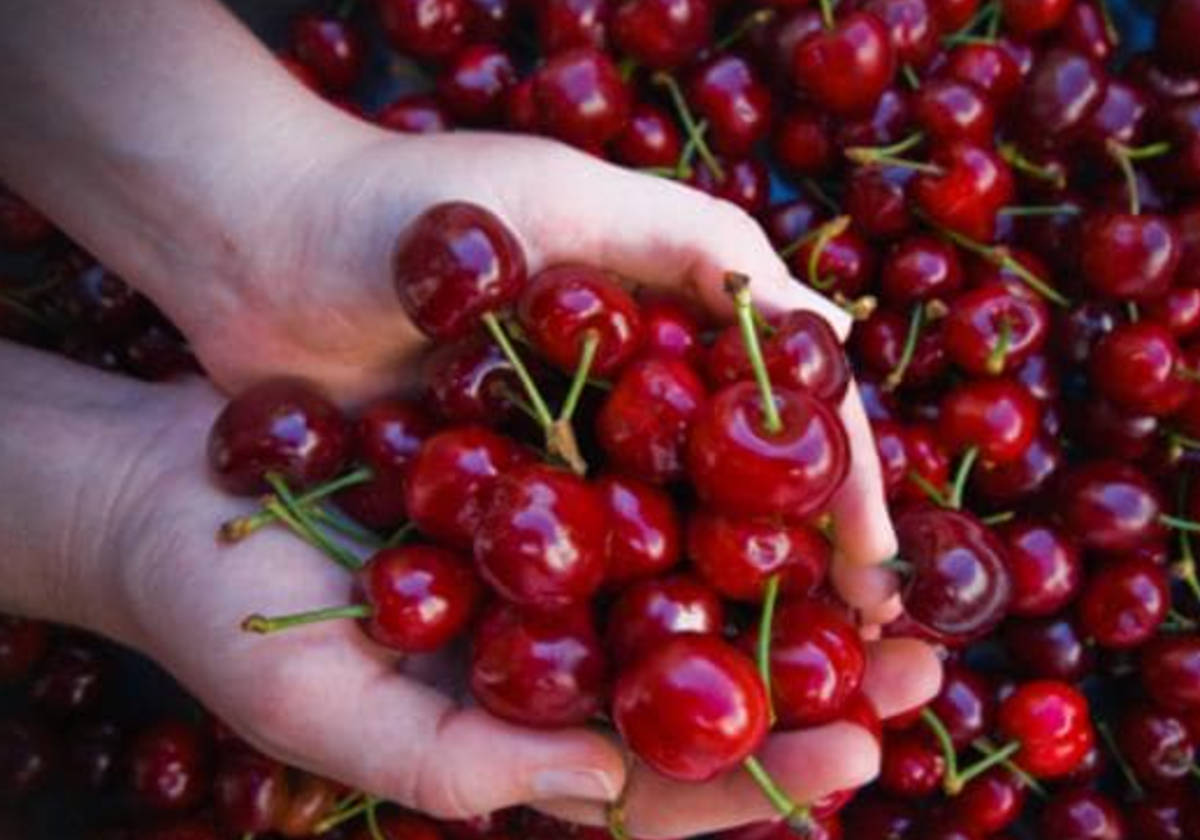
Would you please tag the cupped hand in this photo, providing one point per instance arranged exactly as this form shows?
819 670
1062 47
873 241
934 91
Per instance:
326 699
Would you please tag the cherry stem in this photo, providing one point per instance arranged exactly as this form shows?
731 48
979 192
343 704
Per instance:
587 355
1001 258
758 18
963 35
400 535
287 508
373 820
823 236
1125 156
817 191
763 648
346 527
999 354
1025 210
998 518
738 287
890 155
827 13
986 746
910 76
496 329
265 625
627 67
244 526
1115 751
249 835
614 814
689 124
1017 160
683 169
916 320
1110 25
959 486
950 781
26 312
1132 312
860 308
1178 523
797 816
352 806
990 760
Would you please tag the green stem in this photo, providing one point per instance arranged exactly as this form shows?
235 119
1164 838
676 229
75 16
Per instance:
1125 163
797 816
288 508
927 487
591 342
910 76
985 13
26 312
824 235
373 820
1178 523
1110 26
738 285
1126 771
346 527
765 629
992 759
1004 260
1014 158
356 805
758 18
400 535
950 781
684 169
987 747
814 188
265 625
959 486
998 518
244 526
827 13
689 124
1025 210
916 321
496 329
999 354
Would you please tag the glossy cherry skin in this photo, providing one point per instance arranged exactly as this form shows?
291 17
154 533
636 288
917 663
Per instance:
72 678
1170 671
538 669
1050 721
580 98
651 611
450 479
950 110
310 799
1047 649
421 597
691 708
1082 814
645 423
1110 506
736 465
650 139
430 30
1044 564
737 555
23 642
470 381
994 328
662 34
989 67
802 142
872 816
330 47
1178 310
26 758
542 540
927 459
1129 257
911 27
387 436
1027 19
1156 744
920 268
1135 367
474 87
847 68
990 803
964 705
415 113
845 266
966 195
959 588
169 767
876 198
644 531
453 263
561 304
565 24
670 329
913 766
726 92
997 416
1062 91
249 792
1123 602
743 181
90 755
893 457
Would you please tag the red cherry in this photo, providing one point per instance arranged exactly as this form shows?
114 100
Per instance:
670 329
691 708
1082 814
1124 602
1178 310
1027 19
964 705
330 47
997 416
421 597
971 186
538 669
453 263
474 87
1048 649
1062 91
989 67
1110 506
560 305
726 92
927 459
1156 744
911 27
951 110
1135 367
414 113
662 34
429 30
249 792
846 68
1160 816
470 381
736 556
994 328
872 816
1170 671
649 140
920 268
893 458
169 767
913 766
1044 564
644 424
651 611
992 802
23 642
802 142
1129 257
876 198
91 755
845 265
644 539
580 98
565 24
744 182
450 478
1050 721
26 758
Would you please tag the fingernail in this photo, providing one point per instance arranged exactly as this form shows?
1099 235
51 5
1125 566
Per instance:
562 783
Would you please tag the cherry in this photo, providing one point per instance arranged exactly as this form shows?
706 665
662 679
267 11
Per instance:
1110 506
644 539
454 263
302 73
965 190
959 588
249 792
995 328
845 67
912 765
23 643
1104 428
450 478
26 758
330 47
158 353
489 21
736 556
169 766
890 122
649 140
1135 366
420 597
662 34
691 708
1082 814
1123 602
401 825
989 67
926 459
644 424
566 24
1160 816
1062 91
963 705
470 381
310 799
1181 123
580 98
946 827
474 87
876 197
802 142
996 416
1129 257
1047 648
992 802
414 113
1026 19
1156 744
91 755
1170 671
429 30
561 305
871 816
1077 331
1044 565
1178 22
1121 118
386 438
744 182
1050 722
72 678
94 301
542 538
893 457
919 269
651 611
1178 310
912 29
22 227
842 264
726 93
1086 29
538 669
817 662
670 329
951 110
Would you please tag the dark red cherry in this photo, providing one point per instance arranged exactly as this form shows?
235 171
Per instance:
1136 368
644 424
691 708
872 816
846 69
421 597
1156 744
1106 429
913 766
889 122
474 87
26 758
470 381
169 767
414 113
91 755
1121 117
736 556
454 263
926 458
1051 722
740 467
726 92
538 669
845 265
950 110
1047 649
429 30
249 792
650 139
989 67
1044 565
651 611
967 192
580 98
911 27
176 828
1082 814
22 227
1027 19
1129 257
1077 331
23 642
1178 310
662 34
744 182
72 678
876 198
644 539
670 328
1160 816
1085 29
1062 91
992 802
1170 671
566 24
561 305
994 328
386 438
1178 23
893 456
959 588
996 416
1181 124
920 268
450 479
1123 602
1110 506
1032 473
330 47
94 301
802 142
282 426
964 705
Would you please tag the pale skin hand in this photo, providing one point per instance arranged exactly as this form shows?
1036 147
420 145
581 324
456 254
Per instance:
262 220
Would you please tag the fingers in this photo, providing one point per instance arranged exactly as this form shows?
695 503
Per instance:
902 674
